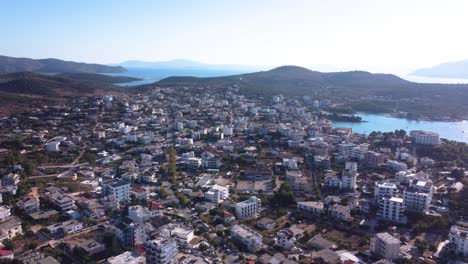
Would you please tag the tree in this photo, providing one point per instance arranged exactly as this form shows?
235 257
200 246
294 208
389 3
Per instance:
90 158
8 244
109 239
285 195
172 165
29 167
203 247
163 192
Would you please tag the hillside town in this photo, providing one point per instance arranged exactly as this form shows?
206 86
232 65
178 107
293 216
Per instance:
197 175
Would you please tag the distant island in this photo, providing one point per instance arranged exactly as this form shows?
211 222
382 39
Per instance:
189 64
11 64
458 69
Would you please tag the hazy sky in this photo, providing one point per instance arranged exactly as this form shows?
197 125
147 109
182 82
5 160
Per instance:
379 36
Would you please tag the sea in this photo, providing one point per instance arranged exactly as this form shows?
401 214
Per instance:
457 130
149 75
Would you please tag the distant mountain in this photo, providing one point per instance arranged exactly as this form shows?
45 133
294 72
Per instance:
188 64
293 80
358 90
457 69
10 64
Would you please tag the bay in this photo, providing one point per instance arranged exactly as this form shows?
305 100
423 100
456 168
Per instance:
457 131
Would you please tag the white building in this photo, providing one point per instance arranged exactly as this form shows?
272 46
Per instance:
67 227
4 212
222 189
285 239
385 246
418 195
384 189
120 189
248 208
63 201
10 227
310 208
161 251
213 196
424 137
348 179
345 149
228 130
458 238
359 151
194 162
141 214
53 146
128 258
217 194
397 165
250 239
290 164
392 209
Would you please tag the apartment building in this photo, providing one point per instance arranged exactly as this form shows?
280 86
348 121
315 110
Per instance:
385 246
458 239
248 209
418 195
392 209
118 188
161 251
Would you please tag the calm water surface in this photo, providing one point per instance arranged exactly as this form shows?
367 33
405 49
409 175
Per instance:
450 130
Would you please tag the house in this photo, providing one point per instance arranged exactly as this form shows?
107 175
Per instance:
139 192
127 257
62 200
319 242
91 247
327 256
29 204
93 209
6 254
310 208
285 239
67 227
10 179
129 232
53 146
385 246
248 238
4 212
458 239
157 209
266 223
340 212
10 227
36 257
227 217
141 214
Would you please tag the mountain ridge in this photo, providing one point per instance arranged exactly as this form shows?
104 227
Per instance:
357 90
51 65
